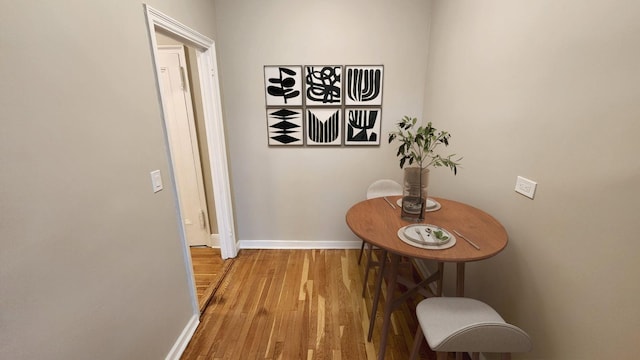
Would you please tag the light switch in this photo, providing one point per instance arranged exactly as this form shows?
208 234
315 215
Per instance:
156 181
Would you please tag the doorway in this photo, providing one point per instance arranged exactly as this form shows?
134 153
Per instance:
205 62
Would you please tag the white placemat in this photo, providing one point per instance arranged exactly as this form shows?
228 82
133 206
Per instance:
436 205
419 244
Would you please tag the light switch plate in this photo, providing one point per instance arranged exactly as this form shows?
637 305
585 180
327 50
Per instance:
156 181
526 187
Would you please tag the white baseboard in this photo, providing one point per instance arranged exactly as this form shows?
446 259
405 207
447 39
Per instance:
299 244
183 340
215 241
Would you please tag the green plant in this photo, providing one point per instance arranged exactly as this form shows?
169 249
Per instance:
419 146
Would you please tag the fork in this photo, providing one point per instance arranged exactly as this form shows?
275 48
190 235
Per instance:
421 235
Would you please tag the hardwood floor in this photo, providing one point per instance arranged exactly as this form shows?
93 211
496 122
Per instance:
209 270
297 304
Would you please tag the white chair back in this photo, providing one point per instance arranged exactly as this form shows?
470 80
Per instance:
383 187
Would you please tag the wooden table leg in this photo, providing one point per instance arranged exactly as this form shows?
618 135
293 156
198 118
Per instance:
460 279
459 290
370 262
439 281
376 297
388 306
418 339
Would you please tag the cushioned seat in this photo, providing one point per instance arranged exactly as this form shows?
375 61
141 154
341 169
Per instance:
466 325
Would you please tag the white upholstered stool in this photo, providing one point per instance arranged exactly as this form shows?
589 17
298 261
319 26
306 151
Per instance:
455 324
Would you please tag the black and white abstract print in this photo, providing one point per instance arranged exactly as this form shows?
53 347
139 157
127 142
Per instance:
363 126
323 85
283 85
285 126
323 105
363 85
324 126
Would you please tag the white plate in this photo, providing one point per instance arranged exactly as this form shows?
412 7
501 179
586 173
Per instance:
432 205
423 234
412 238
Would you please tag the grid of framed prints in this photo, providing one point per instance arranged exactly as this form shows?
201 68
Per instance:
323 105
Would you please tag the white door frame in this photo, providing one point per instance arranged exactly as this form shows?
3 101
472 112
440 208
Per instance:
212 113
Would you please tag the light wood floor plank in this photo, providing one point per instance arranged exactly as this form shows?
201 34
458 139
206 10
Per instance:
208 271
297 304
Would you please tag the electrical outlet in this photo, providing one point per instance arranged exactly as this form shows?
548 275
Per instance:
526 187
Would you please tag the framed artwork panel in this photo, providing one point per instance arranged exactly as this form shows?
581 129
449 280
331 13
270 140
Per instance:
323 85
362 126
285 126
283 85
363 85
324 126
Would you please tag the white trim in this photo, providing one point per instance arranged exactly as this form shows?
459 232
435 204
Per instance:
183 340
299 244
159 19
212 106
215 241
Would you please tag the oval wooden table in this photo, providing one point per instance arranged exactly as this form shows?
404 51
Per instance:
376 222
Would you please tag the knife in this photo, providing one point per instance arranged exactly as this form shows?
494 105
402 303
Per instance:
389 202
469 241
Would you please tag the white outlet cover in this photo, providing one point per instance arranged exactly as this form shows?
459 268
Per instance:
526 187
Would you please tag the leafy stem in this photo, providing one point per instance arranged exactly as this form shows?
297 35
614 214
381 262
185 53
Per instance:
418 146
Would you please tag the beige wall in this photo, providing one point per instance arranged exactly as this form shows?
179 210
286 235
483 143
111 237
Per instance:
91 260
303 193
548 90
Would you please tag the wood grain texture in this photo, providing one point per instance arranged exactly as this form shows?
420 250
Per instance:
208 270
298 304
375 222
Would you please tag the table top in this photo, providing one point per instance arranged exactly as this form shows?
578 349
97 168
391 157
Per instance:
377 223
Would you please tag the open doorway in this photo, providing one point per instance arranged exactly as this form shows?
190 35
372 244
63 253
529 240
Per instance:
187 140
188 148
203 61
